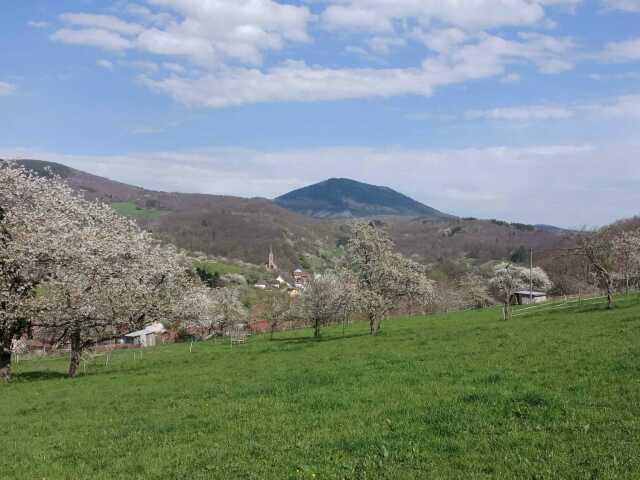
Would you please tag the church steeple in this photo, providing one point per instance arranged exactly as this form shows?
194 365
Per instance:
271 262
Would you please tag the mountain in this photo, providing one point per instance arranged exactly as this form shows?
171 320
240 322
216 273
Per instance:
345 198
246 228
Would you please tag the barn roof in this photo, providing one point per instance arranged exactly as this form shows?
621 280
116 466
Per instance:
530 293
153 328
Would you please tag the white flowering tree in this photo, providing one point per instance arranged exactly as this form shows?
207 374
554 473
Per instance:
113 279
626 255
277 310
74 270
34 234
230 310
508 278
475 290
383 277
598 249
329 298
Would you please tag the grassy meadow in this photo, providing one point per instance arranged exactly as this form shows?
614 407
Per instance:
130 209
465 395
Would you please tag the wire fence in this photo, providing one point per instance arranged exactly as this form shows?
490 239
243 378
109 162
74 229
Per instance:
566 302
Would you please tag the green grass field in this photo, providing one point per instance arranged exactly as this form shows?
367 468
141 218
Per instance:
548 396
130 209
223 268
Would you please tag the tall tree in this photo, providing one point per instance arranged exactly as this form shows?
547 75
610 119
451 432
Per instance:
113 279
277 310
598 249
626 255
34 232
72 269
382 276
326 299
508 279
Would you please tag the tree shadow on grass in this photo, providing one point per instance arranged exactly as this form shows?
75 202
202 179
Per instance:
303 340
26 377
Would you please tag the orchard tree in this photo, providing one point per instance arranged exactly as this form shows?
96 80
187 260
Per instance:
329 298
230 311
598 249
509 278
383 277
199 311
626 255
112 279
277 311
475 291
35 233
74 270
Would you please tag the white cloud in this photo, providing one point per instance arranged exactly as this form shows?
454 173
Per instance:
107 64
144 66
7 88
384 45
174 67
292 81
380 15
624 5
628 50
206 32
570 179
296 81
38 24
615 76
510 78
226 40
214 30
92 37
106 22
624 106
616 107
526 113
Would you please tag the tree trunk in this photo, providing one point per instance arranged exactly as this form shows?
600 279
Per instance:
316 328
374 324
609 294
76 352
5 364
507 306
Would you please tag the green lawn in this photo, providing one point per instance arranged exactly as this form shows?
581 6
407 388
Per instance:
130 209
223 268
462 396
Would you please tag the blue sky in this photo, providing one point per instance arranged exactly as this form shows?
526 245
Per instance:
527 110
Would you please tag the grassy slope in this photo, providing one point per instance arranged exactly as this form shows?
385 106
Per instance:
222 268
130 209
457 396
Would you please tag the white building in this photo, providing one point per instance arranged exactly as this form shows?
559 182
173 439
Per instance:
147 337
526 297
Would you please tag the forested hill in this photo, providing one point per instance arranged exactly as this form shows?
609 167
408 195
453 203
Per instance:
345 198
245 229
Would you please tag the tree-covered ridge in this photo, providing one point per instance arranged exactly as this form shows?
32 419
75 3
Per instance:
342 197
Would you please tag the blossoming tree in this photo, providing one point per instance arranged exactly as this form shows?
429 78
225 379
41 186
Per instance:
383 277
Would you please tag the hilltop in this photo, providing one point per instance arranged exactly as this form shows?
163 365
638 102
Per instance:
464 395
345 198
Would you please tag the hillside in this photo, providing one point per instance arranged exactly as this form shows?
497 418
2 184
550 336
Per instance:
345 198
218 225
464 395
245 229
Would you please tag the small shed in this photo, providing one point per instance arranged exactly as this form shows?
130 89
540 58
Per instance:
526 297
147 337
